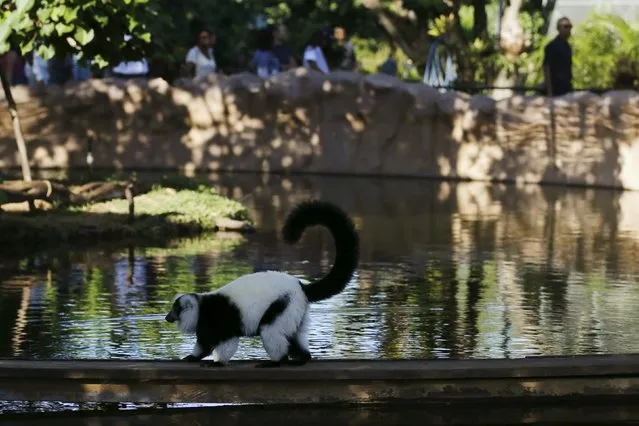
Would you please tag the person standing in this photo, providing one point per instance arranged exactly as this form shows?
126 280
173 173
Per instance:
126 69
558 61
281 49
389 66
200 60
264 63
348 59
314 55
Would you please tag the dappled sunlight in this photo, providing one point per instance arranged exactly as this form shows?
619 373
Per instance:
343 122
357 124
476 202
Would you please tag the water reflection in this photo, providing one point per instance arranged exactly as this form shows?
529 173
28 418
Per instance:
447 270
417 415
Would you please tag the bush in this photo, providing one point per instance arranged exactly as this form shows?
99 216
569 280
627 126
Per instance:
605 53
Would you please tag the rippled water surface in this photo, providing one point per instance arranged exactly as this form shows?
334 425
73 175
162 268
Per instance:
447 270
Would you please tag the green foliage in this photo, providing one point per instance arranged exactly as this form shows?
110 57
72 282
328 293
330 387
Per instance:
606 50
528 66
11 19
476 53
371 53
177 23
605 46
594 56
164 30
91 28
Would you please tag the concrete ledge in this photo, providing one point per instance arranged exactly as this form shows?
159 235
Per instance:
326 381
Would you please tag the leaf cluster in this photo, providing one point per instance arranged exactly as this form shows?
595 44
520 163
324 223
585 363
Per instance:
606 49
91 29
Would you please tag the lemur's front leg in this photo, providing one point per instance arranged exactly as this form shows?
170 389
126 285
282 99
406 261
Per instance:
198 353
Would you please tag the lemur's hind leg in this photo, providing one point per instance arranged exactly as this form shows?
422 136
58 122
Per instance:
276 345
298 344
280 347
279 333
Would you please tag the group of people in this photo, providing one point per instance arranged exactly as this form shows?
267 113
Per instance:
33 70
327 48
273 55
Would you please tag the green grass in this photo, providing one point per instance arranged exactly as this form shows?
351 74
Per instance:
160 214
202 206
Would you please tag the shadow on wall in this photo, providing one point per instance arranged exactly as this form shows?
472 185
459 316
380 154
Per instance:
303 121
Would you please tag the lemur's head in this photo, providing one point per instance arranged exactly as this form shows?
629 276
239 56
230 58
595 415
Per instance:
185 311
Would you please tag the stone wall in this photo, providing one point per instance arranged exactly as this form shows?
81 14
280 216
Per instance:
343 123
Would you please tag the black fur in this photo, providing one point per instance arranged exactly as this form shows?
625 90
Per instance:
219 320
274 311
315 212
300 355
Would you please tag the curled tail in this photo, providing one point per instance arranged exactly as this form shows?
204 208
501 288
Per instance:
315 212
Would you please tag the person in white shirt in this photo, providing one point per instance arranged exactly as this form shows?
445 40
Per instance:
131 69
199 59
314 56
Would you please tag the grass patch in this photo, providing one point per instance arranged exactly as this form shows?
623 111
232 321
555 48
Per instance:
160 214
203 207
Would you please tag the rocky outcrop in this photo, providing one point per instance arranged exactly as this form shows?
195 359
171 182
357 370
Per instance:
343 123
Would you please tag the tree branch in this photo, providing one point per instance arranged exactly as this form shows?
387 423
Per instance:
18 191
399 30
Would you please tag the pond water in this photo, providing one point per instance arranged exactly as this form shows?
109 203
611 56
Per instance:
417 415
448 270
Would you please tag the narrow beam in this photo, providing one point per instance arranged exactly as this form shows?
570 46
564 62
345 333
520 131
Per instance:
323 381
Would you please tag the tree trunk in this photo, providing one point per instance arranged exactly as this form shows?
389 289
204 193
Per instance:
17 130
53 192
481 19
512 39
511 44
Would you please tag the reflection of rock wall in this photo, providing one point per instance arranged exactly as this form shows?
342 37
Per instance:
344 123
571 230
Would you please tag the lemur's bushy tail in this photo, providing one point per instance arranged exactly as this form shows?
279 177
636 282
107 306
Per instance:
315 212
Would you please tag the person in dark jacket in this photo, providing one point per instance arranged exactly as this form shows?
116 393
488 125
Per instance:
558 61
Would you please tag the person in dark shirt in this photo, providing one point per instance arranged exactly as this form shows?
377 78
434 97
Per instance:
347 57
390 65
281 49
558 61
